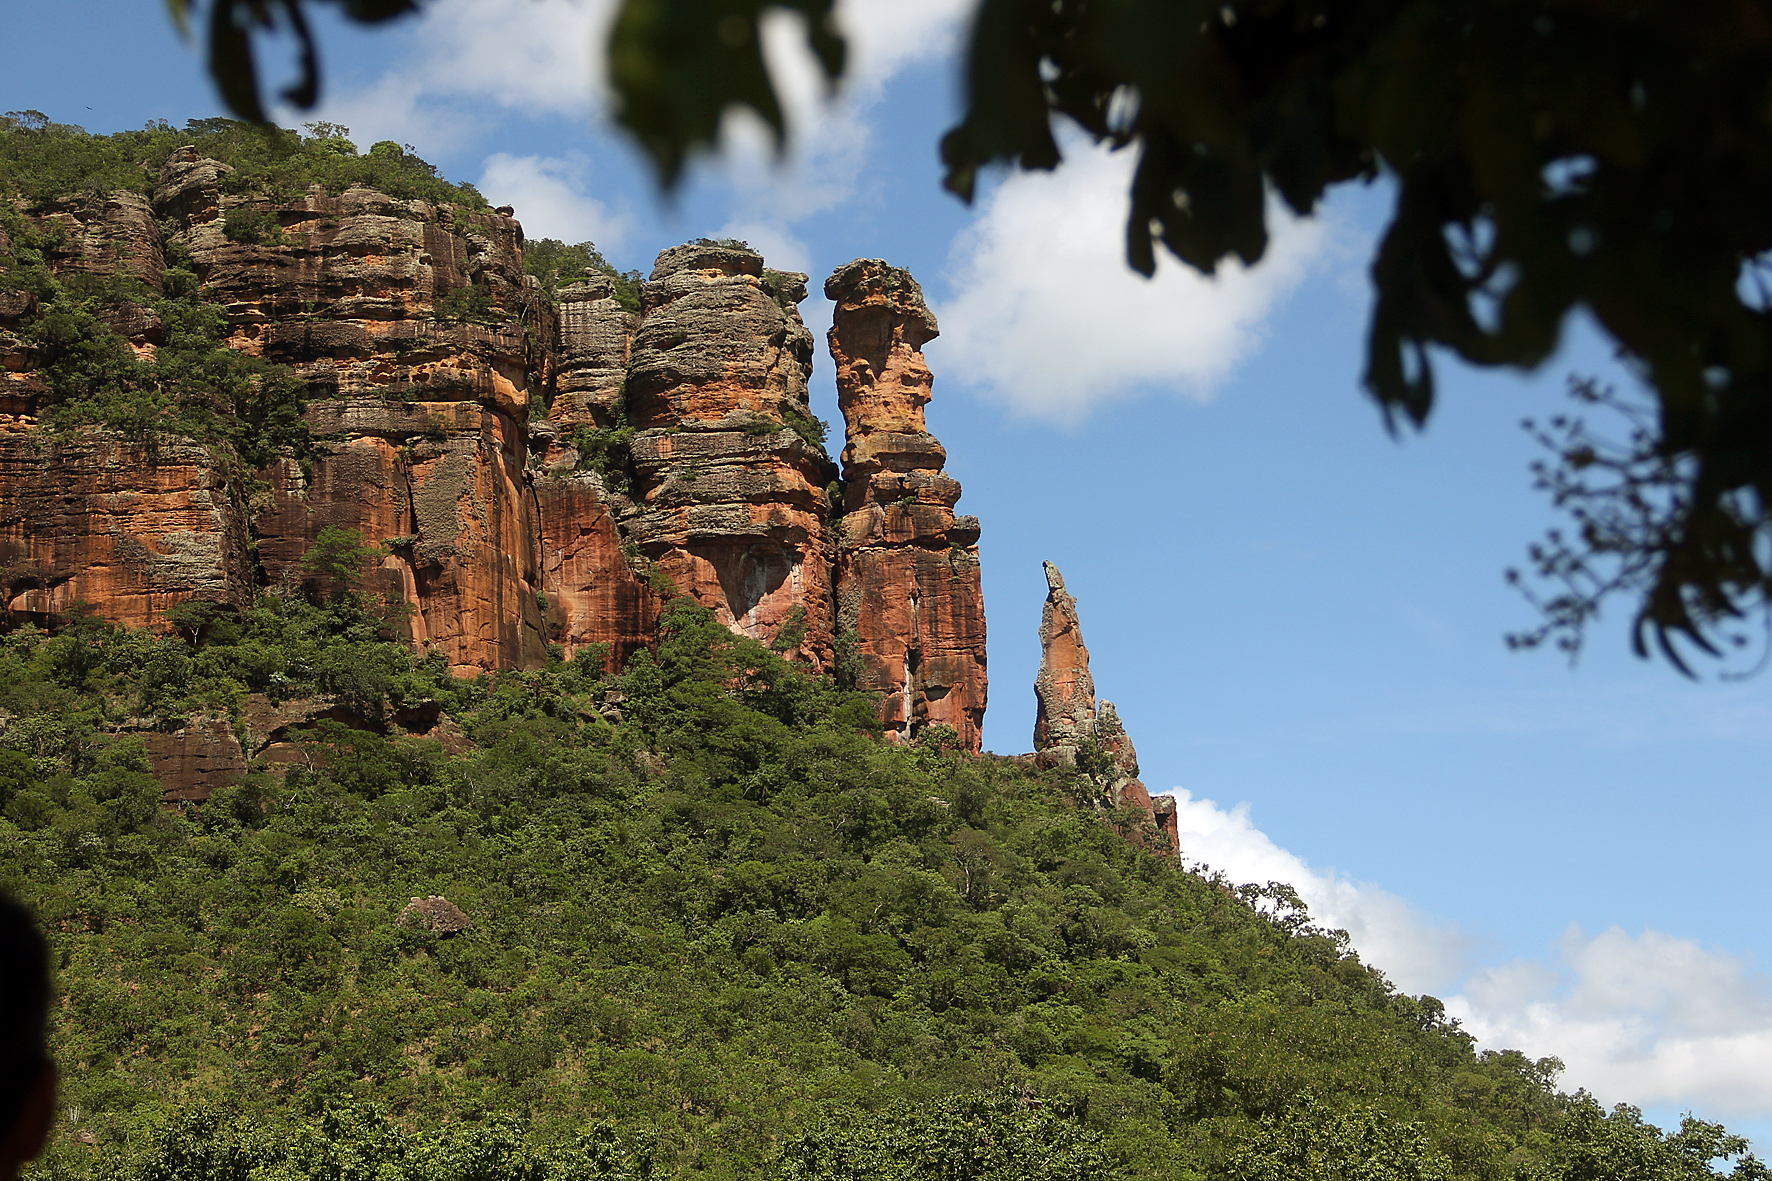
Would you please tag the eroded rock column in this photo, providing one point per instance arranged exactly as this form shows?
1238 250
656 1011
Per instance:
731 497
1069 729
910 604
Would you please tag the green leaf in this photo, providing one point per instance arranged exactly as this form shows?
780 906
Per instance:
677 66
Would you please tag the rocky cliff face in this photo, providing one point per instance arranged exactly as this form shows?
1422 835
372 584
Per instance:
678 453
129 529
414 324
1069 730
908 584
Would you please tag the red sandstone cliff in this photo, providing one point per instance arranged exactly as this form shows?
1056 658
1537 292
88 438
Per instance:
409 320
426 351
132 528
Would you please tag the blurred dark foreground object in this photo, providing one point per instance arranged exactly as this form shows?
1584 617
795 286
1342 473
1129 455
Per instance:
27 1075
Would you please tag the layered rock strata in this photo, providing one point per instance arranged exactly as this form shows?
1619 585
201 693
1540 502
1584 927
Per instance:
1070 730
731 499
909 597
130 531
596 338
415 325
128 528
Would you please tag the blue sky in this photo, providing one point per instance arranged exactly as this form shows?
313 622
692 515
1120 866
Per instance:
1299 618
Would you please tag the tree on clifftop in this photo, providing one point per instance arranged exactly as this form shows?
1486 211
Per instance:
1547 155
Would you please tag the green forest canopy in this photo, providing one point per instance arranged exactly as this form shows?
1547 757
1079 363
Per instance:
718 928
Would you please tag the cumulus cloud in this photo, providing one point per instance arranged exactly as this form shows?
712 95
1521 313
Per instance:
550 195
1417 953
1649 1019
1047 317
1645 1019
830 138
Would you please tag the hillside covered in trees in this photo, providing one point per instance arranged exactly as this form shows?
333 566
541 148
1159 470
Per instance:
716 927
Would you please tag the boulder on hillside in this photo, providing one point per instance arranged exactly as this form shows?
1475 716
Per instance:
435 914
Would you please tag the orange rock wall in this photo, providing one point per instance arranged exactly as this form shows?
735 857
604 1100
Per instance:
427 351
594 595
104 522
909 594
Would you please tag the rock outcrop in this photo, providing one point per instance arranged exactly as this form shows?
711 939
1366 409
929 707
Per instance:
435 914
678 453
1070 730
191 763
731 497
909 596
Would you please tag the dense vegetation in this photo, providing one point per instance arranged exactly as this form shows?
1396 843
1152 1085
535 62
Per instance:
555 264
44 162
718 927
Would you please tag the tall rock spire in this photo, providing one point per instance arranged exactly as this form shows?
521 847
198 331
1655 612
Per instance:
1070 730
910 606
732 503
1064 692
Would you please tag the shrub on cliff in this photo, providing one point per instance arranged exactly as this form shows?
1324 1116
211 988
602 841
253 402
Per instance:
193 385
556 264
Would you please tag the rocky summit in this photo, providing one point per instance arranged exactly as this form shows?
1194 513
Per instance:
531 468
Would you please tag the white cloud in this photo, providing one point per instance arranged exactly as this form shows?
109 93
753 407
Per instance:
549 195
1650 1019
1414 951
1047 316
468 58
829 139
1643 1019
